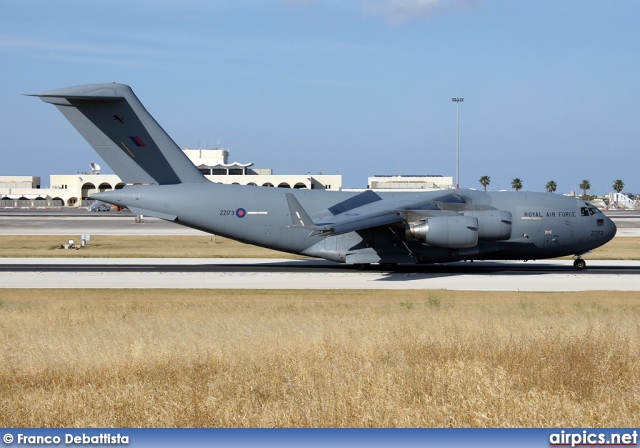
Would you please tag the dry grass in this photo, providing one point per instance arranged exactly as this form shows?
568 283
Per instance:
627 248
318 358
621 248
31 246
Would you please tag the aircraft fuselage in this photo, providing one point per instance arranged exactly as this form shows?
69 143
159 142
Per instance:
542 225
356 228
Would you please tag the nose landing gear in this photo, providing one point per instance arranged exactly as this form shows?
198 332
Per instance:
579 264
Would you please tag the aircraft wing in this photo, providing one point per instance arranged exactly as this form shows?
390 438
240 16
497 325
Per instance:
350 222
375 212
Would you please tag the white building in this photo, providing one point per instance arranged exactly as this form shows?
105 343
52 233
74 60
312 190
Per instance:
74 189
410 182
213 163
65 190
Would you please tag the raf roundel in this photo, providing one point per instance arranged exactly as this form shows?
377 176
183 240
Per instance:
241 213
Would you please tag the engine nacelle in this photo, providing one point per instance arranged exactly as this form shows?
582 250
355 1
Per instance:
492 224
445 231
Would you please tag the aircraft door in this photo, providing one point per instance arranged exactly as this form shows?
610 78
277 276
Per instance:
331 243
547 238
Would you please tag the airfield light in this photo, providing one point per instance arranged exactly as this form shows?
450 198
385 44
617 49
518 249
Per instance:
457 101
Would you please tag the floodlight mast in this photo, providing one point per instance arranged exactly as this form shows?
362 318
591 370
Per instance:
457 101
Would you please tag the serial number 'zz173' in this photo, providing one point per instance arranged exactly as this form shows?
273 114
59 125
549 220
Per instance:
227 212
597 233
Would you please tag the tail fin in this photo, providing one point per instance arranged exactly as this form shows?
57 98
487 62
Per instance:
114 122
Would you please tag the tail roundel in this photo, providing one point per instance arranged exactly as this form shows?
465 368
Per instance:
116 124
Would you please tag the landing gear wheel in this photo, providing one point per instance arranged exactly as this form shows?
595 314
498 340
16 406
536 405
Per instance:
361 266
388 266
579 264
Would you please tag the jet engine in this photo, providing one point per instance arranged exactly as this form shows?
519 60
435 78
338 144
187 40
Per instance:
492 224
445 231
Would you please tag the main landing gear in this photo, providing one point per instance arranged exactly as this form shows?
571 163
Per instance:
388 266
383 266
361 266
579 264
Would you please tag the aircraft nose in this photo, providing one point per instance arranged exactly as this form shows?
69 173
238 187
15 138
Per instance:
610 228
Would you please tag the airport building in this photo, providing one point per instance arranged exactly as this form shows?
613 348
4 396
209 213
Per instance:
64 190
73 190
414 182
213 163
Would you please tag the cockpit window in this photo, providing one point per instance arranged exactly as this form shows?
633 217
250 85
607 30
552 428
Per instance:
589 211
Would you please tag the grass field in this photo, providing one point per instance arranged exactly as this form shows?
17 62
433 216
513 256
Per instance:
215 358
627 248
134 246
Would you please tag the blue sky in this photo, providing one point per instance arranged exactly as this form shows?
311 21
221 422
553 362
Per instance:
355 87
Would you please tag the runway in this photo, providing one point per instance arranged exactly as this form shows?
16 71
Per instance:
538 276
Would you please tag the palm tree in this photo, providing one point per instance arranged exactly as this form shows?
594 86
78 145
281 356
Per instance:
484 181
516 184
551 186
584 186
618 185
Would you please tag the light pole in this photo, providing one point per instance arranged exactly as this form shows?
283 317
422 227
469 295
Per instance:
457 101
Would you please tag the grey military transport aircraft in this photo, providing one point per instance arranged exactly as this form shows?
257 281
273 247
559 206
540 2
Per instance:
356 228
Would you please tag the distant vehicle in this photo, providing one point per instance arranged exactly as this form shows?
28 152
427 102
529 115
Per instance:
347 227
99 206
